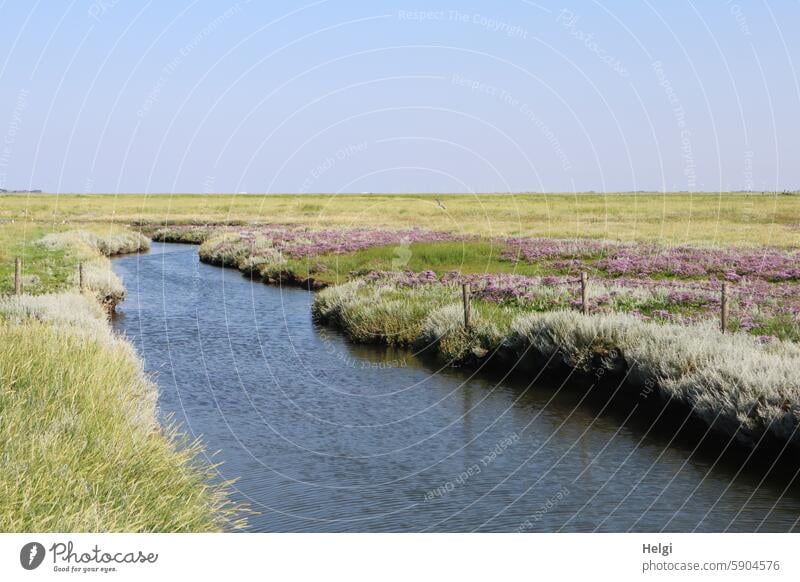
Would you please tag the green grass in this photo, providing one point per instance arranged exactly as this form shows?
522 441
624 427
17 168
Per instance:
466 257
783 327
80 447
54 267
45 270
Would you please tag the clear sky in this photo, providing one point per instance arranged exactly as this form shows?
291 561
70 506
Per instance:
450 96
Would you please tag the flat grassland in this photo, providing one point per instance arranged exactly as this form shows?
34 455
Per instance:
641 304
723 219
652 309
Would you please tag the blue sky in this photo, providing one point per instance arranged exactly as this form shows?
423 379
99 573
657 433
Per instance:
334 96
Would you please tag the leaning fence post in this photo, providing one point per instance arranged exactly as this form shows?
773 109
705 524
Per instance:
81 278
465 294
723 304
584 303
18 276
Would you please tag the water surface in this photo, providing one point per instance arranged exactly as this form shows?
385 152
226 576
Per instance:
323 435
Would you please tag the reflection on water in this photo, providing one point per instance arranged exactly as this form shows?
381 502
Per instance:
327 436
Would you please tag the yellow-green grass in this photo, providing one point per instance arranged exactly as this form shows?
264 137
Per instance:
677 218
81 450
81 446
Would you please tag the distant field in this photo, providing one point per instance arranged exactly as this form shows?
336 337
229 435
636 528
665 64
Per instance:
715 219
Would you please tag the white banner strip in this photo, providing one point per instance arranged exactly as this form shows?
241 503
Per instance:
401 557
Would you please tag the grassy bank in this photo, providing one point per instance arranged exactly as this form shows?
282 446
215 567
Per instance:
652 282
89 251
81 446
741 388
51 255
715 219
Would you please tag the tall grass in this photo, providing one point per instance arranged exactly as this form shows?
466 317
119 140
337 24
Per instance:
82 449
735 384
81 446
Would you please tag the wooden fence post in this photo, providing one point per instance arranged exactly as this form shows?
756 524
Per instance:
724 307
584 302
465 294
18 276
81 278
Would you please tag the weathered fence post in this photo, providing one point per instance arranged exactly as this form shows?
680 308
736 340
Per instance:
18 276
584 302
81 279
723 307
465 294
